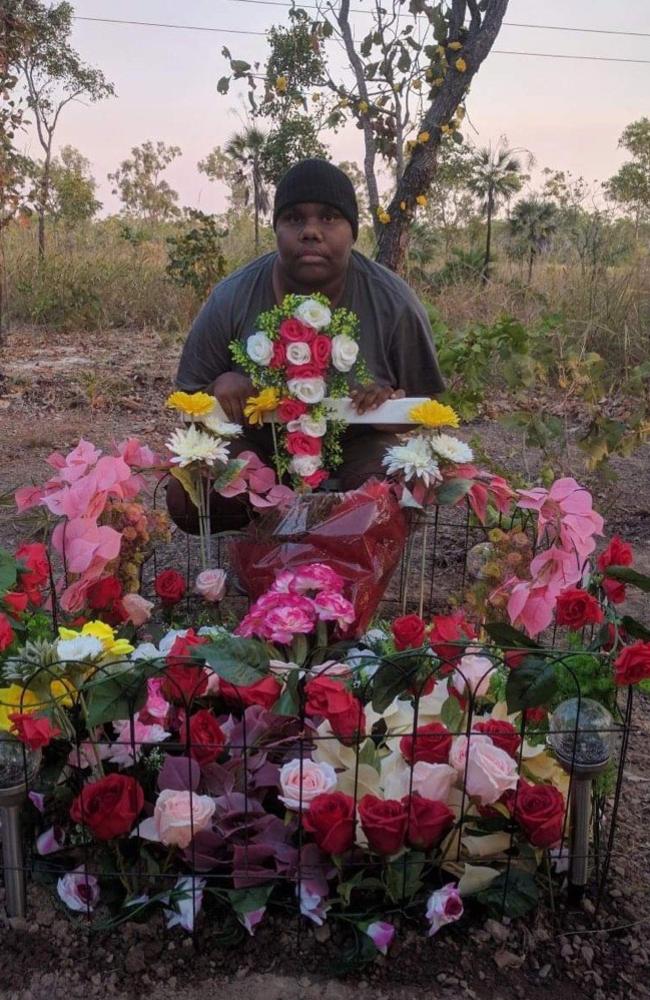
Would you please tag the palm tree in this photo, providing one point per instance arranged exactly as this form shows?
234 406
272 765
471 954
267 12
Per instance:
534 221
495 177
245 150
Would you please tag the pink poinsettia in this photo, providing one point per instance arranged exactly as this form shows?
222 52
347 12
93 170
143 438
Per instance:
566 511
87 546
258 480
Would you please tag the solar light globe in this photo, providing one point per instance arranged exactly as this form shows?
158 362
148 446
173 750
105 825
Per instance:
580 735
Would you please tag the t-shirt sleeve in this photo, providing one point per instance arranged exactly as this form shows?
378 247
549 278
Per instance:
205 353
413 353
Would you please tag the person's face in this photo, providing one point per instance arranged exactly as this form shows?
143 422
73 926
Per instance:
314 243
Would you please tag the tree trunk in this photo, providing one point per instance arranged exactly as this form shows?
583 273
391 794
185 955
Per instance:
485 273
43 200
531 259
256 212
421 168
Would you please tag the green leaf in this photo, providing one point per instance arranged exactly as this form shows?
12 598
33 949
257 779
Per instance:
238 661
239 67
229 473
512 894
368 755
533 683
247 900
117 696
403 876
629 575
8 571
223 85
634 628
452 715
189 482
391 680
453 491
508 637
288 703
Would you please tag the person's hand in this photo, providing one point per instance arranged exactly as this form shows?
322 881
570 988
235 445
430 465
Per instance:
232 390
369 397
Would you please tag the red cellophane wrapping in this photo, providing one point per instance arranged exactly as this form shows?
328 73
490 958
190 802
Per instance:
360 534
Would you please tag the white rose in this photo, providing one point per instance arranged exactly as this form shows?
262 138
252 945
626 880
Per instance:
472 676
259 348
298 353
315 427
305 465
302 780
344 352
308 390
313 314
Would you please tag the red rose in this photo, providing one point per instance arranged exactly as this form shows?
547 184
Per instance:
450 629
576 608
503 734
34 557
182 646
7 634
430 743
408 632
170 586
108 807
265 693
428 821
330 817
384 823
617 553
513 658
294 330
183 681
298 443
539 810
303 371
15 603
279 355
290 409
103 593
206 737
534 716
321 350
34 731
332 700
633 664
316 478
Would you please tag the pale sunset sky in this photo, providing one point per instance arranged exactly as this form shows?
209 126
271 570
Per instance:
568 113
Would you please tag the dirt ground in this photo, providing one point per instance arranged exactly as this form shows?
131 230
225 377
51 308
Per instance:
56 388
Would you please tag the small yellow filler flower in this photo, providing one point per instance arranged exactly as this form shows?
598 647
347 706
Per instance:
434 414
265 402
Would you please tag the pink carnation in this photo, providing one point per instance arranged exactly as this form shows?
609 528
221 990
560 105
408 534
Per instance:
317 576
332 607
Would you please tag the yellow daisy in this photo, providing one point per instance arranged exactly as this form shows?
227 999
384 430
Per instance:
194 404
434 414
265 402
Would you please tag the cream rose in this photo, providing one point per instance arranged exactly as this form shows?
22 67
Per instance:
302 781
490 772
308 390
314 314
472 676
211 584
305 465
177 817
298 353
431 781
259 348
138 608
344 352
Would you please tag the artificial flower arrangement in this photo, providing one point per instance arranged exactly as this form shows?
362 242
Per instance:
301 353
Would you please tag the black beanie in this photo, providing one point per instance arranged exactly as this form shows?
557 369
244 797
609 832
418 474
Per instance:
319 181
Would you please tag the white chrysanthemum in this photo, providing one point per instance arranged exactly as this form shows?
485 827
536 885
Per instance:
313 313
218 425
413 460
84 647
193 445
450 448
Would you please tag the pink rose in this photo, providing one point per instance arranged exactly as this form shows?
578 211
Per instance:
330 668
302 780
472 675
433 781
317 576
177 818
137 608
332 607
211 585
78 890
458 752
444 906
156 707
490 772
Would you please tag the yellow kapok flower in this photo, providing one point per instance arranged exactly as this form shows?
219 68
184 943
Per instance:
194 404
440 50
363 107
423 137
402 205
383 215
421 199
16 699
434 414
460 65
455 46
438 82
281 84
265 402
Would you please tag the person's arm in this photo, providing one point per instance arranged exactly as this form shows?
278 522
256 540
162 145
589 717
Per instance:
413 353
206 363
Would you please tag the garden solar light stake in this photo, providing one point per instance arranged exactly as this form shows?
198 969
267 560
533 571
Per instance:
580 736
18 765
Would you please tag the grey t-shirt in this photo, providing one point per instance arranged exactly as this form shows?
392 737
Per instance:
396 340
